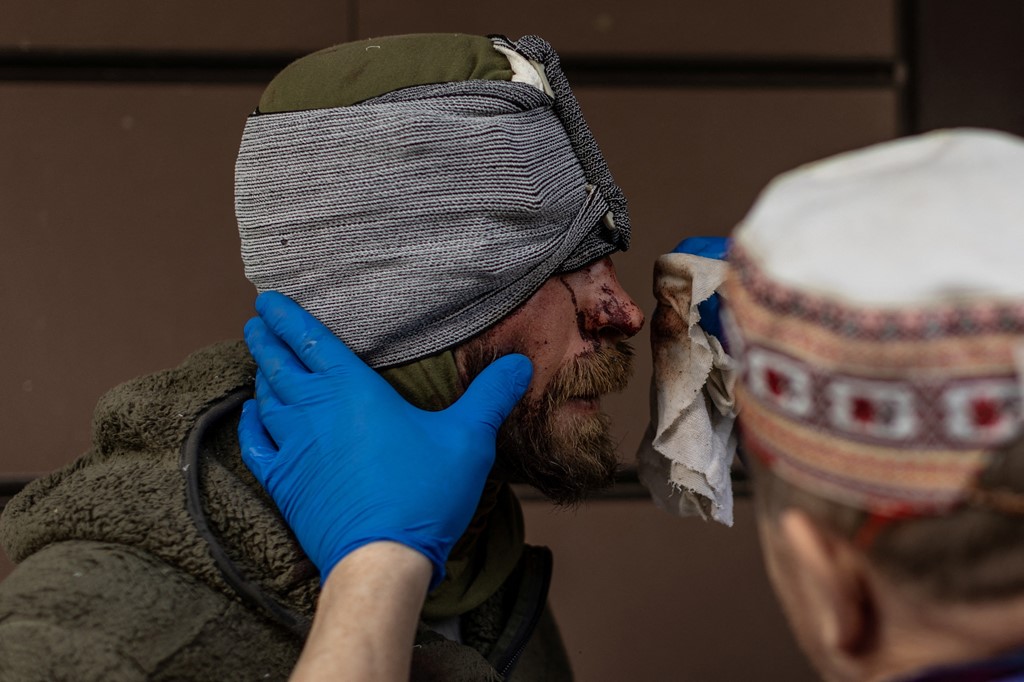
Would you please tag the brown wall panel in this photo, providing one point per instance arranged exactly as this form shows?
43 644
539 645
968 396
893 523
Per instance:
642 595
120 249
178 25
692 161
657 27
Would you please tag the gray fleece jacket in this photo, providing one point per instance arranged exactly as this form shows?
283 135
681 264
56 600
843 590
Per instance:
157 556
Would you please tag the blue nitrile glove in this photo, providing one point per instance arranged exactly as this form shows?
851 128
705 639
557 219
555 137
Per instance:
708 247
347 460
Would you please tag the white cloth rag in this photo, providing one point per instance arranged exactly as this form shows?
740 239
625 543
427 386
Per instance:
687 452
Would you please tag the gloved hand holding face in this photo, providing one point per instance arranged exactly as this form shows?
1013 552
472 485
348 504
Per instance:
347 460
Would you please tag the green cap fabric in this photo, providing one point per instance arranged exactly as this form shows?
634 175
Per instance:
350 73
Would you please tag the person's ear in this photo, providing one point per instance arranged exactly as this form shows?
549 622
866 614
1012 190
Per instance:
835 583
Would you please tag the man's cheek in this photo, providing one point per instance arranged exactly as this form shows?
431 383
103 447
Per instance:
539 384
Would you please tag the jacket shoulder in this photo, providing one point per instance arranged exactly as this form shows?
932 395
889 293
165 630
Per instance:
99 611
156 410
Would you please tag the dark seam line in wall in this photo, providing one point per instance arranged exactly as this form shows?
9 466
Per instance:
727 72
627 487
9 487
141 67
648 72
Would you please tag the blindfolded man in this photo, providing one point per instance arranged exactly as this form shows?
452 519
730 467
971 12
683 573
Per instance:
436 201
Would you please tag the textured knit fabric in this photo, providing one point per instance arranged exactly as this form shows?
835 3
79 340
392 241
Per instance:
115 581
414 220
880 321
618 230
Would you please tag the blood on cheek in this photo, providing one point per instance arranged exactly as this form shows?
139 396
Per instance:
581 319
570 315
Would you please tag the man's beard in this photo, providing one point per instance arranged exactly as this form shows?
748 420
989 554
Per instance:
564 453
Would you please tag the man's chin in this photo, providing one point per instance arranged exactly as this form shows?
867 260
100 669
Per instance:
571 494
572 459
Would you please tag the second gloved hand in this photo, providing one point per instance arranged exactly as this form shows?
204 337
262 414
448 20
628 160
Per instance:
347 460
710 313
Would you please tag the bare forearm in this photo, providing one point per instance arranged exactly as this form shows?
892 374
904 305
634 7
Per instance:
366 617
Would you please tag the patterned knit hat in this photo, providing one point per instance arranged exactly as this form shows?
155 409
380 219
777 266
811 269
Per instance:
411 191
877 304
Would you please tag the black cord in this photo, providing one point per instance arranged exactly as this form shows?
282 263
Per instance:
191 462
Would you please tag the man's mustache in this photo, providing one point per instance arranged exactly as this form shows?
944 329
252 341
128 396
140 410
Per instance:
593 374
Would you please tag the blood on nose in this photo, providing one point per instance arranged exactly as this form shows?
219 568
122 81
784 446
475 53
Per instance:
604 311
614 316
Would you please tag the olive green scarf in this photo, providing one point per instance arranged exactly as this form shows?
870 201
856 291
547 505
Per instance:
488 552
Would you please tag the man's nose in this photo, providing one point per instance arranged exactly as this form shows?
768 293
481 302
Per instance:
621 318
614 315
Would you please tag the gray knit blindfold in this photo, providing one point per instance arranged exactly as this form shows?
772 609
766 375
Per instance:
413 221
